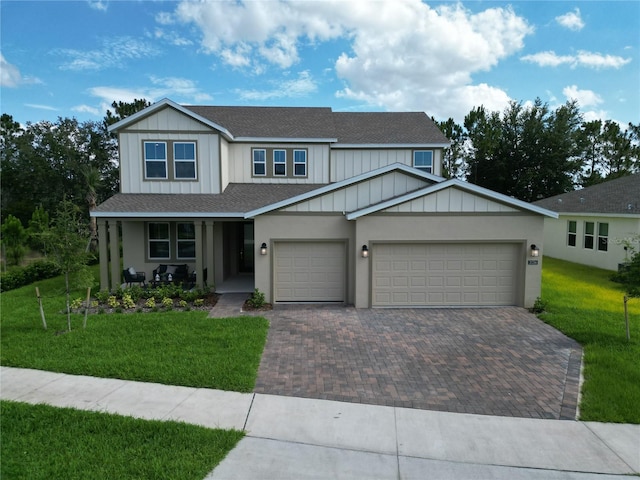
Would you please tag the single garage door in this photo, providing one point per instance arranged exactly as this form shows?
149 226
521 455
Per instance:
444 274
310 271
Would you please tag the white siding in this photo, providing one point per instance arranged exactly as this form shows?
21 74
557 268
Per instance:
240 163
224 163
451 200
347 163
361 195
168 120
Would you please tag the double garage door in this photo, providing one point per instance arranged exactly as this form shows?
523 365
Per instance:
403 274
444 274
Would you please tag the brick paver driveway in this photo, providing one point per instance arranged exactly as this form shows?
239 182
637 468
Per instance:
493 361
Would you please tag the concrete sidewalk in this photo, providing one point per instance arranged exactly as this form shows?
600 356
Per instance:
301 438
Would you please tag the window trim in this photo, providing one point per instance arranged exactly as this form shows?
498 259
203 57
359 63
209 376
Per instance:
185 240
194 161
296 162
589 235
603 240
282 161
572 234
422 167
158 240
165 161
254 162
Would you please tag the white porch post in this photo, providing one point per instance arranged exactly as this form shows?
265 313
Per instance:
210 255
114 243
103 241
199 252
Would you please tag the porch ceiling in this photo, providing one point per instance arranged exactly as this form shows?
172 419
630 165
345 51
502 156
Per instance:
238 198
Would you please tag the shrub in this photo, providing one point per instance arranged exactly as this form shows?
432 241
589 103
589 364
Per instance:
150 303
20 276
539 306
127 301
102 296
167 302
257 299
113 301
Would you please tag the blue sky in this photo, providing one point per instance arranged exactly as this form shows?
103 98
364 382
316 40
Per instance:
73 58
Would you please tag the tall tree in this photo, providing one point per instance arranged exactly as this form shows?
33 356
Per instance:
453 157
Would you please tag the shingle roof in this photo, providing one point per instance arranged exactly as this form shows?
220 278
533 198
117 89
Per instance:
311 122
619 196
237 198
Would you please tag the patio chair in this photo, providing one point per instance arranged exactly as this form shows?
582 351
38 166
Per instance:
131 276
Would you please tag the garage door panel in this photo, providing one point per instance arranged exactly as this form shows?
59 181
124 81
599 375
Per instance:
444 274
309 272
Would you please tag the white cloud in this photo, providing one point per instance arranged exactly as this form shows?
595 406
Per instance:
302 86
581 59
114 53
86 109
100 5
571 20
41 107
171 87
9 74
585 98
400 54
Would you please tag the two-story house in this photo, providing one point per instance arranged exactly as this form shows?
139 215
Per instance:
314 206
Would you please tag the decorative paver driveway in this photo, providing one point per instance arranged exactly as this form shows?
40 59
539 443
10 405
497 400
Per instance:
493 361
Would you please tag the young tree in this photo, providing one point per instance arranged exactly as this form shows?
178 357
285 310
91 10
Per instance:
14 239
67 239
38 226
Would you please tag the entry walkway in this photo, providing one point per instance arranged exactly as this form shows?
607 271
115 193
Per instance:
302 438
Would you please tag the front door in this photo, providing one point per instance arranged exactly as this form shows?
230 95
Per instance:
247 251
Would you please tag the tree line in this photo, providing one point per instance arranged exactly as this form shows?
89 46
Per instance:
532 151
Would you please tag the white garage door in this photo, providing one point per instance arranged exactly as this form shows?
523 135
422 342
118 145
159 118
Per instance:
444 274
310 271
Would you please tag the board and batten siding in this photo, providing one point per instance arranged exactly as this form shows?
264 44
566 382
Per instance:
450 200
240 163
361 195
346 163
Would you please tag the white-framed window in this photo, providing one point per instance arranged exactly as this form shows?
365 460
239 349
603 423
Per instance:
184 160
185 240
603 236
572 233
279 163
155 160
589 230
299 163
259 162
159 240
423 160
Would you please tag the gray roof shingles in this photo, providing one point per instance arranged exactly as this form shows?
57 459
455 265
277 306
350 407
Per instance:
237 198
619 196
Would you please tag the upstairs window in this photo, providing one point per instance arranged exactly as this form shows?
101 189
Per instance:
423 160
186 240
279 163
603 236
155 160
259 163
159 243
572 229
588 235
299 163
184 160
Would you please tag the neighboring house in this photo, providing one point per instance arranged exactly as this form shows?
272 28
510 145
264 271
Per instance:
595 223
314 206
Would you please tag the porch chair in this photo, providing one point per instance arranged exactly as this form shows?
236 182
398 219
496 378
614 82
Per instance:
131 276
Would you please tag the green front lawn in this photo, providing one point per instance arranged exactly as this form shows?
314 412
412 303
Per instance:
585 305
174 348
43 442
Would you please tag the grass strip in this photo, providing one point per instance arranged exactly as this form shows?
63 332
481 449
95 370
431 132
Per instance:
586 305
43 442
173 348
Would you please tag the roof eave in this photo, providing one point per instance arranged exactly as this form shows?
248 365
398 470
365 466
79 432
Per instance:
285 140
143 215
390 145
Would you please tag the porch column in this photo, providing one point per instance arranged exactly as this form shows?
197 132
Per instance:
210 261
103 241
114 243
199 252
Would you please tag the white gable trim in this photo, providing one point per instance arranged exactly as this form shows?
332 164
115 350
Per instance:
513 202
165 102
344 183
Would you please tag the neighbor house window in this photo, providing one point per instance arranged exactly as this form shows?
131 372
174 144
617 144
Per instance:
279 163
259 163
184 160
159 243
155 160
186 240
299 163
603 236
423 160
572 229
588 235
